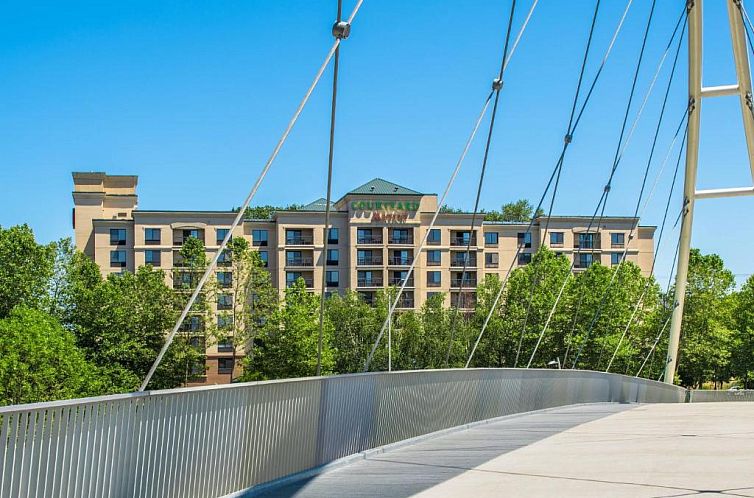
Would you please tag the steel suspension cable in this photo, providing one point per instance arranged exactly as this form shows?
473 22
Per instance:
637 212
654 259
340 32
452 179
247 201
606 190
496 87
569 132
559 163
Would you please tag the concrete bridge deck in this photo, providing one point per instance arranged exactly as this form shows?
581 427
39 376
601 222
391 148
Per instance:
656 450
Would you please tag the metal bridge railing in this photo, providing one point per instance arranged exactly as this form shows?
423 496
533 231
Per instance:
709 396
212 441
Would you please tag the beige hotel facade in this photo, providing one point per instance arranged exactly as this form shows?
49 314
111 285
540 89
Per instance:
376 233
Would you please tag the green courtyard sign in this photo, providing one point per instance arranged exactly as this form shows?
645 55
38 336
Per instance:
386 211
384 205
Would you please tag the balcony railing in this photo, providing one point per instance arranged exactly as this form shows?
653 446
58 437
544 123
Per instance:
459 261
369 282
401 239
467 282
369 239
299 240
462 241
399 281
432 262
303 261
432 283
400 260
369 260
406 302
309 282
465 302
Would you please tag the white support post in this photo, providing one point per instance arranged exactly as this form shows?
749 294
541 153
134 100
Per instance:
742 89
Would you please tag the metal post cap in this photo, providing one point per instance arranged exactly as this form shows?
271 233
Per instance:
341 30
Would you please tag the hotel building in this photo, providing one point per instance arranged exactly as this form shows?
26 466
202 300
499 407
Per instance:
376 233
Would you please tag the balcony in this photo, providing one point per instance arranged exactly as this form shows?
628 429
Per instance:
406 301
458 260
400 260
396 239
398 281
374 260
369 239
462 241
308 282
369 298
369 282
299 240
300 261
468 281
464 301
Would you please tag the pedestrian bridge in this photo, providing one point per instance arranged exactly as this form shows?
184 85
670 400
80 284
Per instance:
438 432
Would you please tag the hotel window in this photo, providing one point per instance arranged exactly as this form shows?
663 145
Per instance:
152 236
433 258
220 234
616 257
225 345
118 259
524 258
490 238
291 277
556 238
332 278
225 279
585 260
524 239
434 237
265 257
586 241
152 257
434 279
332 236
191 233
293 258
333 257
224 301
400 236
224 365
118 236
491 260
224 259
618 239
192 323
224 321
259 237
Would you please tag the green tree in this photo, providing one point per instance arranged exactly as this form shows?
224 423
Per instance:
121 324
520 211
39 360
265 212
25 269
287 346
355 325
706 331
251 300
742 359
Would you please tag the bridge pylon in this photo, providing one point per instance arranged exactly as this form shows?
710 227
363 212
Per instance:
697 93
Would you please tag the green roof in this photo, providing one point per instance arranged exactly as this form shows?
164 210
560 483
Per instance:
318 205
383 187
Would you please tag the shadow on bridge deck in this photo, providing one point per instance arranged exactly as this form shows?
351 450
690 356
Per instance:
412 469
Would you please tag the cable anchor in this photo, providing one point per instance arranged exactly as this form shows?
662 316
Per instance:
568 138
341 30
749 102
497 84
607 188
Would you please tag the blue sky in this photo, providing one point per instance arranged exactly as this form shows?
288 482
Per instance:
192 96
